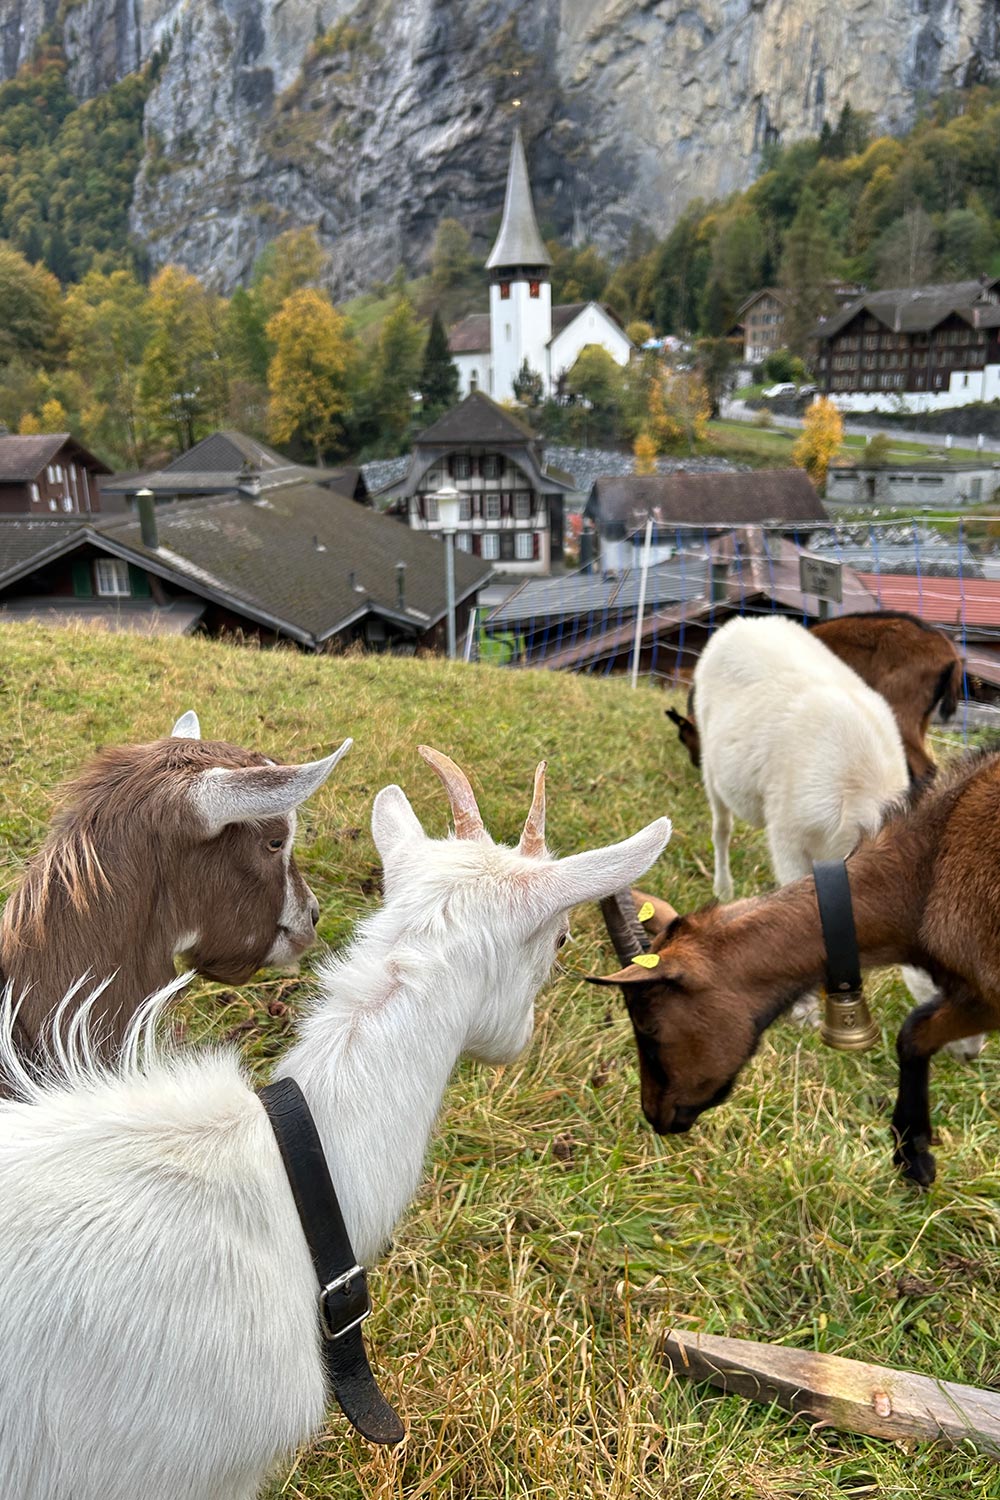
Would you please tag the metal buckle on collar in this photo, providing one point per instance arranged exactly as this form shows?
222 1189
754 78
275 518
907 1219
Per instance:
353 1303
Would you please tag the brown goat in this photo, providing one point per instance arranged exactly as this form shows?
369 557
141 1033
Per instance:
177 848
914 666
926 892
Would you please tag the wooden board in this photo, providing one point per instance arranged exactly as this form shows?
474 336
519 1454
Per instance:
845 1393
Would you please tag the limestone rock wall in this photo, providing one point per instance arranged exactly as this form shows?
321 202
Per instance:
373 118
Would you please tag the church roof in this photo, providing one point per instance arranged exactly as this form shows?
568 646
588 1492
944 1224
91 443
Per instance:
519 242
471 335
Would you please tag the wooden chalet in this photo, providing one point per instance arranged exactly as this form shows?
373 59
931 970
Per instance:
48 474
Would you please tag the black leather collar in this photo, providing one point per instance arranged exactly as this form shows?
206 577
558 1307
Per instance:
836 915
343 1302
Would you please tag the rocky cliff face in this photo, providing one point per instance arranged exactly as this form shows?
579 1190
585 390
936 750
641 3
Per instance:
374 118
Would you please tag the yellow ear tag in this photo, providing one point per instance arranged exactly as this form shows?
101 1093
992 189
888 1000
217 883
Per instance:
646 960
646 910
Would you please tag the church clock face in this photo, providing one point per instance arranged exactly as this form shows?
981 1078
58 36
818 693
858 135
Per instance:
504 290
534 288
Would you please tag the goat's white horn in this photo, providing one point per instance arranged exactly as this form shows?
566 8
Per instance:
464 808
187 727
533 834
243 794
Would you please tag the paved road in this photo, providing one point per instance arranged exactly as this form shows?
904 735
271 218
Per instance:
738 411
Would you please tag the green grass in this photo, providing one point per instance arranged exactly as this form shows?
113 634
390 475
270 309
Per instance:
764 447
555 1236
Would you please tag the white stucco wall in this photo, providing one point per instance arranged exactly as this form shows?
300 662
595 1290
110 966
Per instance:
964 386
473 365
521 326
591 326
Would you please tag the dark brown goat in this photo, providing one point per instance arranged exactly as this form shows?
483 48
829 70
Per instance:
914 666
926 892
177 848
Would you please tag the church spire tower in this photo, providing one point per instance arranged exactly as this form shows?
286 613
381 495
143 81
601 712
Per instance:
520 291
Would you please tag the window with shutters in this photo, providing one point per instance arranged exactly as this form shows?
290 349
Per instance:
461 466
522 505
492 464
490 545
525 546
492 507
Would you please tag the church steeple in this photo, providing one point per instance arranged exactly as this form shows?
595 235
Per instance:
519 242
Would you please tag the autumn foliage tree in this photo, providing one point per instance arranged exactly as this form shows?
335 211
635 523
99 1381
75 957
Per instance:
644 452
308 375
822 435
679 409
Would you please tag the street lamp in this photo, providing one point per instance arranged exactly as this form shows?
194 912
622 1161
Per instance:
449 509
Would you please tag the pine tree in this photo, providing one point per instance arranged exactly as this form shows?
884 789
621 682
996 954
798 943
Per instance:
529 388
394 373
439 375
805 268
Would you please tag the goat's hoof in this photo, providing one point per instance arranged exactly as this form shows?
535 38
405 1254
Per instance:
723 893
917 1166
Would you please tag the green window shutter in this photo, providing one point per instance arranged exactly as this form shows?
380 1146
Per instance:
139 582
83 584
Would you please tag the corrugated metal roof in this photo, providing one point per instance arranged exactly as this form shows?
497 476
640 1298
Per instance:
941 601
580 593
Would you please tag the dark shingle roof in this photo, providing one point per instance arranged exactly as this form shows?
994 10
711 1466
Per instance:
23 458
471 335
477 419
25 539
213 465
224 453
289 558
705 499
916 309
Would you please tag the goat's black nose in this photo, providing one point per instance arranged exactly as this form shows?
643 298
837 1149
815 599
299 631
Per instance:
314 911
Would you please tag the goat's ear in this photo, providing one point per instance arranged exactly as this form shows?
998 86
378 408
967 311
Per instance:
655 914
187 727
245 795
393 822
600 872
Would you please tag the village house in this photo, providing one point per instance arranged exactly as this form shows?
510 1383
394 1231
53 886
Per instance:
301 564
684 504
489 349
512 511
48 473
762 320
916 349
224 461
925 485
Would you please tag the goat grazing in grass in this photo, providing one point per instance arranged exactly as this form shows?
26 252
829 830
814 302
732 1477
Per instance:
914 666
181 847
794 742
159 1328
925 890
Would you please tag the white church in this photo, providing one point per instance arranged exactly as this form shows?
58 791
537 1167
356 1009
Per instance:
489 349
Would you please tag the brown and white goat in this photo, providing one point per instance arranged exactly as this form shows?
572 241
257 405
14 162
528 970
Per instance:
926 892
914 666
180 848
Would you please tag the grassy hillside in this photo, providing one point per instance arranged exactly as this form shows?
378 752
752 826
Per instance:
555 1235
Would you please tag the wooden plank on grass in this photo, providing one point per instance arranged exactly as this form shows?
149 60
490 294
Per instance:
845 1393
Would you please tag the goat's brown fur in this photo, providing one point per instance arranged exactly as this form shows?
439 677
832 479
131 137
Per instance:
125 869
926 892
913 665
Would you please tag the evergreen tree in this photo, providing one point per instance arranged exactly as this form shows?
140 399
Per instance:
439 375
805 269
57 255
529 388
394 374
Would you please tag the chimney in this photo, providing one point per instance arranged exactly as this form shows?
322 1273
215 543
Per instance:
146 506
248 480
401 587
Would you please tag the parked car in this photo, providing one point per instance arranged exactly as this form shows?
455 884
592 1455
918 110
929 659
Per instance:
783 388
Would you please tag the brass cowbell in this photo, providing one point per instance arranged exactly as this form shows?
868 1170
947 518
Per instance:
847 1022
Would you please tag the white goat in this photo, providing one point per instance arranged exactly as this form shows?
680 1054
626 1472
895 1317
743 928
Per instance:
159 1323
792 741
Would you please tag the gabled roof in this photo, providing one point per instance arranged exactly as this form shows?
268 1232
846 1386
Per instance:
705 499
214 465
27 542
477 419
303 560
917 309
765 291
471 335
519 242
22 459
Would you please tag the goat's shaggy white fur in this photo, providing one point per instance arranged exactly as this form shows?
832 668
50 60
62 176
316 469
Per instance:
158 1325
792 741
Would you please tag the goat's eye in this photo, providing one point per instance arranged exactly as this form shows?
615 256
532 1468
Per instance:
276 844
562 939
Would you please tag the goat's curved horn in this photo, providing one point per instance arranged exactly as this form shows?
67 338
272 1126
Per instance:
533 834
464 808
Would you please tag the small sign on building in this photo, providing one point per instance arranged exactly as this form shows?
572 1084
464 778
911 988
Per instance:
821 578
